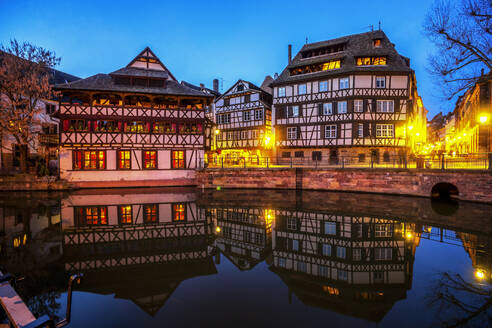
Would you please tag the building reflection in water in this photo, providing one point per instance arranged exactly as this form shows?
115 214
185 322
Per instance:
141 244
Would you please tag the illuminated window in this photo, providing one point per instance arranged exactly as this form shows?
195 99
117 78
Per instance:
179 212
254 134
150 213
330 228
246 115
89 159
323 86
282 262
124 160
327 108
164 127
137 127
342 107
125 214
76 125
188 128
333 64
302 89
330 131
245 134
384 130
368 61
385 106
358 106
291 133
344 83
106 126
178 159
331 290
91 215
376 43
281 92
149 159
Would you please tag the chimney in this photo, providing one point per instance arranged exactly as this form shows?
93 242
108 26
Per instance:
290 53
216 85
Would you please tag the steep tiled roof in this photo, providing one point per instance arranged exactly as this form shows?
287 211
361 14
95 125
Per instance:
104 82
357 45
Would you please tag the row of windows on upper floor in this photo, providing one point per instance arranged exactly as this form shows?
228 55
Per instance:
330 131
340 252
244 99
336 64
339 107
240 135
244 235
98 215
246 116
323 86
96 159
131 127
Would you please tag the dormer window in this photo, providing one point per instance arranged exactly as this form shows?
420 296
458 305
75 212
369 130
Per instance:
240 88
371 61
376 43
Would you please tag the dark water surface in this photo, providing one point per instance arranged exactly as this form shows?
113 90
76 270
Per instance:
249 258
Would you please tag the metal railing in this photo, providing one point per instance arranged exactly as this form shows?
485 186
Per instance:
475 162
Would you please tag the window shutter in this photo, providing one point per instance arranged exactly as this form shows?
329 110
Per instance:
300 110
320 109
120 126
148 127
66 124
322 131
374 106
334 108
298 132
364 106
350 106
366 129
280 133
397 105
289 111
339 130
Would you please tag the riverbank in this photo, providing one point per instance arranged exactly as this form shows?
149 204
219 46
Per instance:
465 185
28 182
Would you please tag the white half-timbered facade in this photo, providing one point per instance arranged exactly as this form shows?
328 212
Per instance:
243 122
134 126
352 97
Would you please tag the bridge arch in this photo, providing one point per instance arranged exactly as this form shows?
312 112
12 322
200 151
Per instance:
444 191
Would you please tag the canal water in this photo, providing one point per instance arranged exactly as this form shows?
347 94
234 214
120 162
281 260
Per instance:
240 258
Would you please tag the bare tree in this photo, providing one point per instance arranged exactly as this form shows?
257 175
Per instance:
24 82
462 33
461 303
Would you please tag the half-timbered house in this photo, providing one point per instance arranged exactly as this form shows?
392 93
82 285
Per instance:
353 97
135 126
243 122
340 262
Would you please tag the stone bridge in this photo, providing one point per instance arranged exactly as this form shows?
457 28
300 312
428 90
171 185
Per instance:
471 185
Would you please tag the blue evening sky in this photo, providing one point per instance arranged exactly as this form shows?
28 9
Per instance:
202 40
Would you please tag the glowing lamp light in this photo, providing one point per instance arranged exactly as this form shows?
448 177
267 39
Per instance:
483 119
480 274
217 131
417 134
219 188
267 140
409 235
410 127
218 229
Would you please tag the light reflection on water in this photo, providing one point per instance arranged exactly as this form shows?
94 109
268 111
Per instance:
180 257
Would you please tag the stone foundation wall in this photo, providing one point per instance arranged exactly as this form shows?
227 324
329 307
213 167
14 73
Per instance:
472 185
